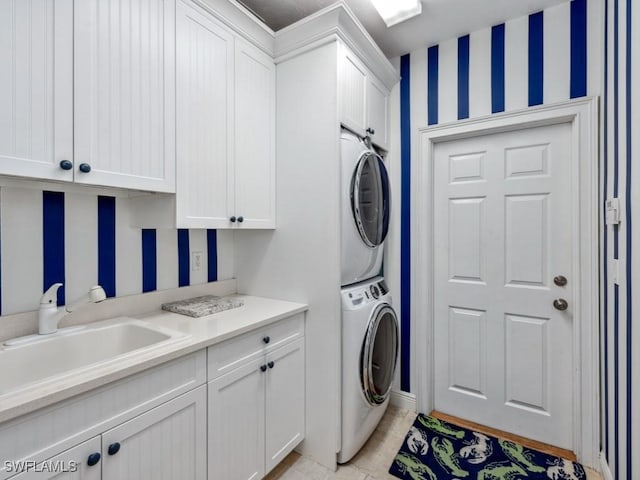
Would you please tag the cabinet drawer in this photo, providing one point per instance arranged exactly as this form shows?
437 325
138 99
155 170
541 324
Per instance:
228 355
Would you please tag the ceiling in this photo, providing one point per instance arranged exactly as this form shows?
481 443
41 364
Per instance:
440 19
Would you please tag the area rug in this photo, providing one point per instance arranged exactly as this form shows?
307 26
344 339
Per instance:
437 450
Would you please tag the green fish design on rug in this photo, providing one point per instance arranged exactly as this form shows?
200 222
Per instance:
446 456
502 471
517 454
412 466
440 427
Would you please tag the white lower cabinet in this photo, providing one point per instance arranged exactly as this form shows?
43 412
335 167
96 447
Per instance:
236 424
256 412
166 443
70 465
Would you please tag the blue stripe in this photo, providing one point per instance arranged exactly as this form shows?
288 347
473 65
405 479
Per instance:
628 229
497 69
536 59
405 223
107 244
605 268
578 48
432 85
53 241
212 255
149 260
183 257
463 77
616 380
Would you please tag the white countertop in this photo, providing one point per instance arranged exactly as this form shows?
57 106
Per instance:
202 332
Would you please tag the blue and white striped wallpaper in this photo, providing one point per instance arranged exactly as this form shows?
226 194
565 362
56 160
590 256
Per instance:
621 178
82 239
523 62
541 59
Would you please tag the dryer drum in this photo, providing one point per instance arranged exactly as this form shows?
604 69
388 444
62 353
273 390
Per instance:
379 355
370 199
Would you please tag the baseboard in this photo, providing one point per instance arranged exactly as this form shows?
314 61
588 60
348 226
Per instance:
404 400
604 468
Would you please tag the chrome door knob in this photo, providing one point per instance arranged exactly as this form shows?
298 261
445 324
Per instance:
560 304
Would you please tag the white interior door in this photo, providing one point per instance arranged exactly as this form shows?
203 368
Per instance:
502 234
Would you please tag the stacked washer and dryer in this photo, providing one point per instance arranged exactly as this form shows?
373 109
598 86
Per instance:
369 323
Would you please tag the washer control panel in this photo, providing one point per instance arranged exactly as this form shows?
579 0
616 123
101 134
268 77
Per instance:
363 294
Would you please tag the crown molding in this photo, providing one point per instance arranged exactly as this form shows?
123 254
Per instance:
336 21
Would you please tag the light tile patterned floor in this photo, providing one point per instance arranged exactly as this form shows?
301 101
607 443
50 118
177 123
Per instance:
371 463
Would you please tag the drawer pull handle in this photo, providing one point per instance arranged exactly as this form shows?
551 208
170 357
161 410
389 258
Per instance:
263 368
113 448
84 168
232 219
240 219
93 459
271 364
266 339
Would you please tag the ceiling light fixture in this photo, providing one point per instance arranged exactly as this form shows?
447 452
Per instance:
396 11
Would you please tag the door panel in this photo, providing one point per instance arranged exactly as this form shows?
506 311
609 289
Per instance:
125 93
165 443
205 59
69 465
237 423
36 88
503 353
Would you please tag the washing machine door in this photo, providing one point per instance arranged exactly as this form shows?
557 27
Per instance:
370 199
379 355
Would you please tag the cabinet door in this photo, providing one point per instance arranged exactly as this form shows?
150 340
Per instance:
353 83
166 443
125 93
255 154
378 113
205 58
69 465
36 88
236 424
285 400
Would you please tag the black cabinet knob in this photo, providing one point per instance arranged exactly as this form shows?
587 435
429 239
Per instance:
84 168
266 339
240 219
270 364
113 448
66 164
93 459
263 368
232 219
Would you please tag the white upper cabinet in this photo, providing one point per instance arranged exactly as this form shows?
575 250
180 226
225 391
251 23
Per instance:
225 127
364 101
125 93
36 88
353 94
255 150
205 53
378 113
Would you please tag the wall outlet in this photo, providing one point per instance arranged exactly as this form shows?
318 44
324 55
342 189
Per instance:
196 261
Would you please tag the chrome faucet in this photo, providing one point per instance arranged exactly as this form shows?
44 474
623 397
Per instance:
49 315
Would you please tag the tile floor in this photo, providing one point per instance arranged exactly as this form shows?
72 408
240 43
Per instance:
371 463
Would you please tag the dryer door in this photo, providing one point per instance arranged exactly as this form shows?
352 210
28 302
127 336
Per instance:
370 199
379 355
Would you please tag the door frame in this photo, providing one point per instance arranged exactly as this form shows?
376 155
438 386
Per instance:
583 116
